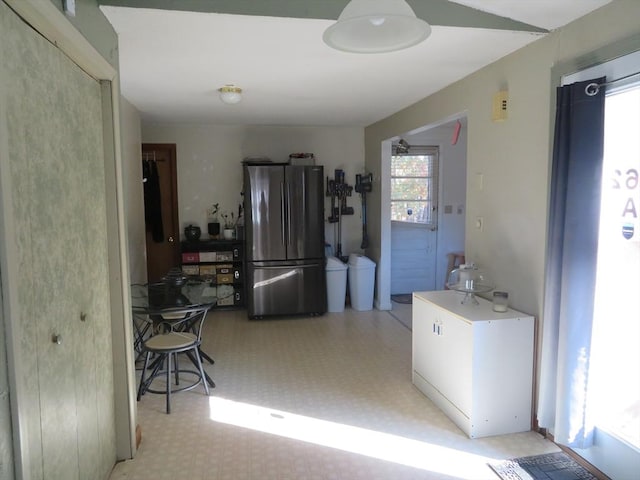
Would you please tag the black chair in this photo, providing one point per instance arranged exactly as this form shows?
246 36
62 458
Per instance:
176 331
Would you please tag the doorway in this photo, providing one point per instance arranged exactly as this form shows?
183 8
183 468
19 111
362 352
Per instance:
160 181
615 399
424 247
614 392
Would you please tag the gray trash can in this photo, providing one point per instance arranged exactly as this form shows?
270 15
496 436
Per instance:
361 281
336 284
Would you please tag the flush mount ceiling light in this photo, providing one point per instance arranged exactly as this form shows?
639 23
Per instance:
376 26
230 94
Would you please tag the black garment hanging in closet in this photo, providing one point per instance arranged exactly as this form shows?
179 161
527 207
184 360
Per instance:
152 200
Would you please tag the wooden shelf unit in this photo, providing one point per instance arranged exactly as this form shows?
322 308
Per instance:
219 262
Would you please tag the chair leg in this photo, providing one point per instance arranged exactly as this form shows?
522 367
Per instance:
202 374
192 357
176 367
169 383
144 369
204 356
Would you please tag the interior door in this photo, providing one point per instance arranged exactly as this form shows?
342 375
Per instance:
53 159
161 209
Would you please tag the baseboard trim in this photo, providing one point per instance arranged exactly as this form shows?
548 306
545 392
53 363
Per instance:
572 453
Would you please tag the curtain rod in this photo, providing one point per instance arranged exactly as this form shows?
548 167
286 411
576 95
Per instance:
593 88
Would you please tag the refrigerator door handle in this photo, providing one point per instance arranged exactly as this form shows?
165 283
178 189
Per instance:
288 213
288 266
282 211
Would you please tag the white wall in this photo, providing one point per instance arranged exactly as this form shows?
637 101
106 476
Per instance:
6 439
513 156
451 230
210 170
133 190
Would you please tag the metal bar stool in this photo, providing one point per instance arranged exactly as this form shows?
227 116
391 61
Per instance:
178 331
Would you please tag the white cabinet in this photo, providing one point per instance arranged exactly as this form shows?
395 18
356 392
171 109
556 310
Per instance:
473 363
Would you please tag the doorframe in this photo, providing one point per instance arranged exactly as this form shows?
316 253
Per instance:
44 17
171 148
383 299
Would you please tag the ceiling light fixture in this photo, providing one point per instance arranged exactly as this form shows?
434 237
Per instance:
230 94
402 147
376 26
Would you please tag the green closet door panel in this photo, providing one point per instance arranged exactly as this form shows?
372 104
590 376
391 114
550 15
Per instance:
54 125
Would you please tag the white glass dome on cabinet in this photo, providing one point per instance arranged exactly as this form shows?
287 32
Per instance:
468 278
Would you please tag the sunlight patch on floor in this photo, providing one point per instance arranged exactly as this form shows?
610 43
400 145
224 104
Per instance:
380 445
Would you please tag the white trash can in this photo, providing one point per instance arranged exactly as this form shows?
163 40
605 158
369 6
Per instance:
361 281
336 284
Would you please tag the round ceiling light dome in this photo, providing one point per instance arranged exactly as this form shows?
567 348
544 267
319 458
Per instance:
230 94
376 26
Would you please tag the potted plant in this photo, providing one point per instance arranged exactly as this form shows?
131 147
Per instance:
230 220
213 225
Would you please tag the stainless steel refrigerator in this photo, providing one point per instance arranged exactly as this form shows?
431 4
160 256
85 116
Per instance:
284 233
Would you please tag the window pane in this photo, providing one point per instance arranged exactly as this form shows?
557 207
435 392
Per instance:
414 186
616 329
409 189
410 166
417 212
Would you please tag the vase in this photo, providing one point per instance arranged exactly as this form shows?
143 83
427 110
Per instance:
192 233
228 233
214 229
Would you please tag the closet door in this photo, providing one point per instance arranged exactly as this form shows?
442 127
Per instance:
57 205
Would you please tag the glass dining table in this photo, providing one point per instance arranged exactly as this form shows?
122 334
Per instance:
153 303
161 298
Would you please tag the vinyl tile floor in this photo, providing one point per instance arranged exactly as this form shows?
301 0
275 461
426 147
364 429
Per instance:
316 398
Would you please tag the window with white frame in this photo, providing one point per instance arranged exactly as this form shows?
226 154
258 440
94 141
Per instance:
414 186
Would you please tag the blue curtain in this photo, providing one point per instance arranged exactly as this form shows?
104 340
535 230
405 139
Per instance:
572 247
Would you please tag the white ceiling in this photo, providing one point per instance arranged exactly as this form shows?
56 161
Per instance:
172 63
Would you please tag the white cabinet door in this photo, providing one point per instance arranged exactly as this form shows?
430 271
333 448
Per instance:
454 362
442 352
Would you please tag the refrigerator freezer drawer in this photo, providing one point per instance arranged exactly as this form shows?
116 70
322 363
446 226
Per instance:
286 289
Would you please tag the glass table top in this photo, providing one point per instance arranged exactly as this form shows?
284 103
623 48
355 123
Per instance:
161 297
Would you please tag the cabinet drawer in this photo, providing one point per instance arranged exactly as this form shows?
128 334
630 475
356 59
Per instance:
224 268
229 296
207 270
191 270
190 257
233 275
208 256
224 256
222 278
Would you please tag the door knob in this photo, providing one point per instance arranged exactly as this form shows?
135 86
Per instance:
56 338
170 239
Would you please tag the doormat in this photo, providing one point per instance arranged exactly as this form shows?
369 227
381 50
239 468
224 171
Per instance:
550 466
402 298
